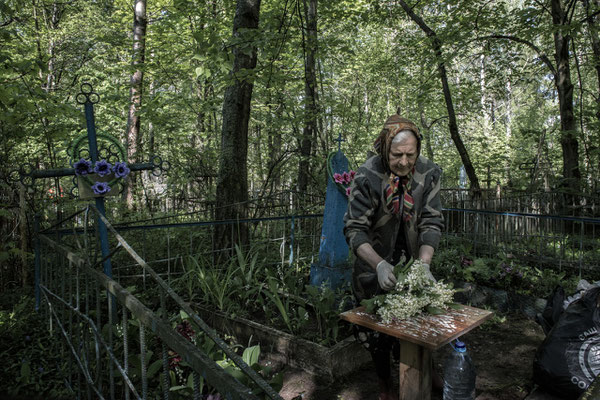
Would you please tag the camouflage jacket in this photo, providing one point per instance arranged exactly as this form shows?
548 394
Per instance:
369 220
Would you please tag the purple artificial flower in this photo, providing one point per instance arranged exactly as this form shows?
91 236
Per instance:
352 174
82 167
121 170
101 188
338 178
102 168
346 177
348 191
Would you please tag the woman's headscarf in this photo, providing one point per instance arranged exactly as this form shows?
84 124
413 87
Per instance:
391 127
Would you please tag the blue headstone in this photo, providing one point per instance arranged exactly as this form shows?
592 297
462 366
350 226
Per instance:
332 268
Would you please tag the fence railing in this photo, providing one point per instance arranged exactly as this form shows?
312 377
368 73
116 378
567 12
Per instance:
557 203
544 240
99 320
98 317
547 240
166 246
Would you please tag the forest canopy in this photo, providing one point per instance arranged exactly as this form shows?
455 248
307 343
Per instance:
509 89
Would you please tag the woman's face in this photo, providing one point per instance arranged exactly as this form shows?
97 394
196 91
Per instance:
403 155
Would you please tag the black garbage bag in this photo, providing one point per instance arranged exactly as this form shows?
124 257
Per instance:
568 359
554 308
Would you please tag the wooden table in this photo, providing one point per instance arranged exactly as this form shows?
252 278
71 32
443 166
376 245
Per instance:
419 336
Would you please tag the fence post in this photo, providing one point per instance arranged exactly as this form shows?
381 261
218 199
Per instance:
292 243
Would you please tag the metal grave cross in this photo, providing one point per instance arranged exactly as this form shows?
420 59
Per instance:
112 151
339 140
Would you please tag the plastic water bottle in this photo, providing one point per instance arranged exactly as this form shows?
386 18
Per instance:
459 374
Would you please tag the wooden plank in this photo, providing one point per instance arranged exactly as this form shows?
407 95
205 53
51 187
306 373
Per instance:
415 372
430 331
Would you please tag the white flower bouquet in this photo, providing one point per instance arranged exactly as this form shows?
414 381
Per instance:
413 294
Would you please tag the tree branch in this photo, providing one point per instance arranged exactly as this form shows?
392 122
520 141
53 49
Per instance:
527 43
543 7
7 22
570 9
589 18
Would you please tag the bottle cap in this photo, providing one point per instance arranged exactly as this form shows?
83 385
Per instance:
460 346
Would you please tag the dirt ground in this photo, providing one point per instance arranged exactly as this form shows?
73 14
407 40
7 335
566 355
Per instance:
502 353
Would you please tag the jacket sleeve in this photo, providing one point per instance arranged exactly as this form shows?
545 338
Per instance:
362 204
431 221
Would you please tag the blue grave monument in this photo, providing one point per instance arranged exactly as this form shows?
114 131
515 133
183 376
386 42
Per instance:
333 268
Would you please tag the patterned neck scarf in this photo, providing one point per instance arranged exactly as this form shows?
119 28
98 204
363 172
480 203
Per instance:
391 127
393 194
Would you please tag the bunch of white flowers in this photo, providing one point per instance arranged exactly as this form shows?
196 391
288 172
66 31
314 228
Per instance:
414 293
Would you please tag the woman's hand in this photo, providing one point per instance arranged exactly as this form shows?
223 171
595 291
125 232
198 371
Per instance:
385 275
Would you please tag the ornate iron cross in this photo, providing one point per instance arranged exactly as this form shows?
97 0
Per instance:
110 152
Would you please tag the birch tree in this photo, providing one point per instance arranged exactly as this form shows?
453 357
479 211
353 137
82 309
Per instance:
134 137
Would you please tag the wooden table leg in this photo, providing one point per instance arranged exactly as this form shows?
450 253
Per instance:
415 372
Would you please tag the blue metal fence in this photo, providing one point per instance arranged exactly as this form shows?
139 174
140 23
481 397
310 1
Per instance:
95 316
562 242
572 243
81 302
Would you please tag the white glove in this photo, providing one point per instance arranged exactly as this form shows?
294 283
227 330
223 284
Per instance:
385 275
428 272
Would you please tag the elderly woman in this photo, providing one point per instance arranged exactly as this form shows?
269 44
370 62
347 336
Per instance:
394 214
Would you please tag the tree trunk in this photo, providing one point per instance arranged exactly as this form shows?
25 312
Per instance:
508 132
452 124
426 132
595 39
232 185
51 17
484 101
134 138
24 236
274 144
568 139
310 95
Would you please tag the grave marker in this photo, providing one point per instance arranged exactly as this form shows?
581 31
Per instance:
332 267
26 174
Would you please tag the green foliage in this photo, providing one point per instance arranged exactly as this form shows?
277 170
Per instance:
280 298
181 373
478 269
32 355
371 60
327 305
507 273
217 285
494 322
281 302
